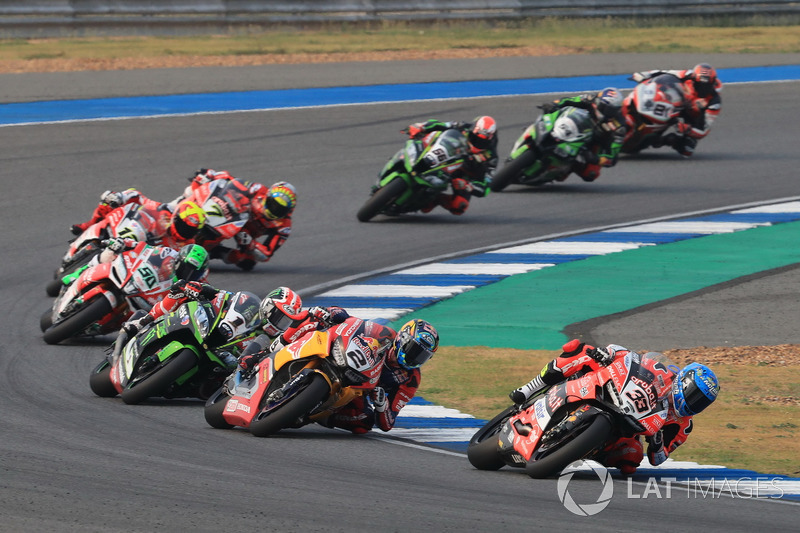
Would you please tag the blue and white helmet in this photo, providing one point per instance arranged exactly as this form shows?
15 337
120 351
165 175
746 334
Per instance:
694 388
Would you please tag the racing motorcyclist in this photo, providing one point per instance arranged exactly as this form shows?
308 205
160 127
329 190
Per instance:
269 211
176 225
703 104
605 108
693 389
475 175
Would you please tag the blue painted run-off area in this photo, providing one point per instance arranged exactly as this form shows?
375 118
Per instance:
144 106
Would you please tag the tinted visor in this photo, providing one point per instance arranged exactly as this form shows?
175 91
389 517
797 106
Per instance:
278 319
187 272
183 230
479 142
695 399
414 354
276 209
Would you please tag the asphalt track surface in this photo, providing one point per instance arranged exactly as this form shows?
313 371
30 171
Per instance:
74 462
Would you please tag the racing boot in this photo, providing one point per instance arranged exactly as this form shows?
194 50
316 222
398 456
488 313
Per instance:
521 395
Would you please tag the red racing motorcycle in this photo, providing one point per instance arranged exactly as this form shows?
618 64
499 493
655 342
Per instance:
650 109
578 418
130 221
304 382
106 294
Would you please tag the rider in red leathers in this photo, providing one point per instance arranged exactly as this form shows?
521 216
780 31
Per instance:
692 389
703 104
177 225
269 211
475 174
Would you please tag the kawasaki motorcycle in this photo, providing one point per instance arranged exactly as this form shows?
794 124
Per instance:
547 150
180 355
302 383
578 418
416 174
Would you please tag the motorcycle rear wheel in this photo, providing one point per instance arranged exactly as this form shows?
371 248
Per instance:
382 197
87 315
512 170
213 412
595 433
303 402
482 450
159 381
100 381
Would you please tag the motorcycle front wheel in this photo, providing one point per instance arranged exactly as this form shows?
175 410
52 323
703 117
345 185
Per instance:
159 381
303 402
100 381
382 198
213 412
512 170
482 450
87 315
572 448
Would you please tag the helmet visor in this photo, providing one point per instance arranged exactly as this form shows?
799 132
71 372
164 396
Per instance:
275 208
187 272
278 319
413 354
696 400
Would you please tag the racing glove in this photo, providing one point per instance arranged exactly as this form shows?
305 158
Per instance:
115 245
548 107
132 327
321 314
655 449
379 400
600 355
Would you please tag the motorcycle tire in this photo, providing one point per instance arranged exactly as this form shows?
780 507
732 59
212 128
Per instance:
46 320
482 450
159 381
90 313
512 170
213 412
595 433
303 402
100 381
382 198
53 287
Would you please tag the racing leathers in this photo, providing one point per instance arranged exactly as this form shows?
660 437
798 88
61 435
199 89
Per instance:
577 359
474 176
607 138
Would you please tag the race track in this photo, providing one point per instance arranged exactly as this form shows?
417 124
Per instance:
74 462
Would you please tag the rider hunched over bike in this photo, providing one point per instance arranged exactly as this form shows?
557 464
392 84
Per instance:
285 321
703 104
693 388
605 108
481 162
177 225
269 212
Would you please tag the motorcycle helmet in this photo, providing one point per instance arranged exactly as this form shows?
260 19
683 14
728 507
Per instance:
704 78
482 133
281 199
192 263
694 388
573 124
415 343
279 310
187 221
608 101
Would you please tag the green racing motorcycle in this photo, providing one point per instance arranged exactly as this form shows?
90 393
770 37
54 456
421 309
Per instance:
416 174
547 149
183 354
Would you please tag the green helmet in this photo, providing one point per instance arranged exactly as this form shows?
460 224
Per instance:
192 263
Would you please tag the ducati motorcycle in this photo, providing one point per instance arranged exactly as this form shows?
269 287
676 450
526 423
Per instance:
104 295
547 150
304 382
651 109
129 221
415 176
227 210
182 354
578 418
